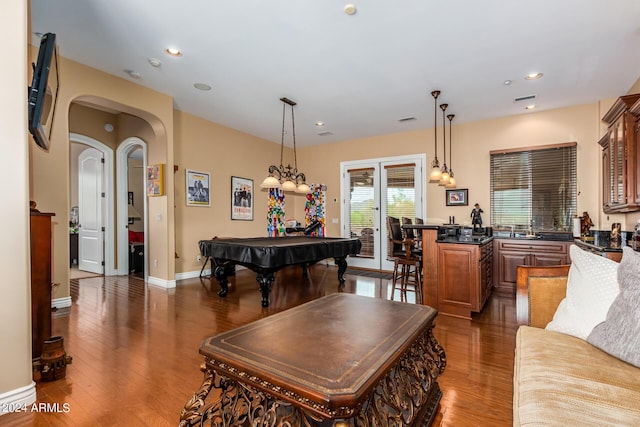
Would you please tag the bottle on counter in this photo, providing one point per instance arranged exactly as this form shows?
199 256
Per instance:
636 237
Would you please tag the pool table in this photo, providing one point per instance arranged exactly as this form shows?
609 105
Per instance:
266 255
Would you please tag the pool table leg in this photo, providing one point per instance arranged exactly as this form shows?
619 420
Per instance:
342 267
221 277
265 281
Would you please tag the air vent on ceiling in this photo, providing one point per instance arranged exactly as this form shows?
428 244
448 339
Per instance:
524 98
325 133
406 119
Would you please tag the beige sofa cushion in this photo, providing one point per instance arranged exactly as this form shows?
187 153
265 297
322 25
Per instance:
560 380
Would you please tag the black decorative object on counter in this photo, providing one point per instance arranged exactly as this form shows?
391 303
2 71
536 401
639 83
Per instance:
476 218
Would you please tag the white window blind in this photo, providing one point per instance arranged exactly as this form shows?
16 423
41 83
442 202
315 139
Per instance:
362 199
401 191
534 188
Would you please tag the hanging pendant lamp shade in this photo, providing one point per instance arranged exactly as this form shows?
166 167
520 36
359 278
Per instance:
303 188
270 182
287 177
452 180
434 176
444 176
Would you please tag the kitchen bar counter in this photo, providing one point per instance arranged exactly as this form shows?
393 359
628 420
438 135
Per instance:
457 275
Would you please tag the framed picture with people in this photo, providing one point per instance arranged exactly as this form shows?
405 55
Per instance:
241 198
198 188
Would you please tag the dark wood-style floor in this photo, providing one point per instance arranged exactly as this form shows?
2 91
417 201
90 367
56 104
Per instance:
135 348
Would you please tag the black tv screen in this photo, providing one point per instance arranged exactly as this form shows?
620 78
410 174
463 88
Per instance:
43 92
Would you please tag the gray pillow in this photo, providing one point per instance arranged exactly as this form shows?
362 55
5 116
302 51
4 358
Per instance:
619 334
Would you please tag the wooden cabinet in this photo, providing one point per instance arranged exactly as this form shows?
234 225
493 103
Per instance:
620 176
464 278
510 253
40 229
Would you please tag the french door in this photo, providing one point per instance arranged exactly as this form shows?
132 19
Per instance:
372 190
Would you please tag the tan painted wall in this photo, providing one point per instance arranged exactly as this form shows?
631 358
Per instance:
204 146
50 170
472 143
15 290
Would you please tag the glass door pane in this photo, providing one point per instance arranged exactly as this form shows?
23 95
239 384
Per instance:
362 209
372 190
363 213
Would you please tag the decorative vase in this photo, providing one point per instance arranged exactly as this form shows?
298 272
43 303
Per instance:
54 360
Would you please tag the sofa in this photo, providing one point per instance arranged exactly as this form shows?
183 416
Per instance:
561 379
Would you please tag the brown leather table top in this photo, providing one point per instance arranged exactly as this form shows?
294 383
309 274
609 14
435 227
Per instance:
332 350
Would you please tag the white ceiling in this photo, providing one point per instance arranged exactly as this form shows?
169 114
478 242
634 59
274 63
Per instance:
358 74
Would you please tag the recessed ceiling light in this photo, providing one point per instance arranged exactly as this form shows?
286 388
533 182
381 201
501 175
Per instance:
319 123
507 82
172 51
202 86
530 107
133 74
155 62
533 76
350 9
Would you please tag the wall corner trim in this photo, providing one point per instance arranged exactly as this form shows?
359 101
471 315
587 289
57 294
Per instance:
167 284
18 398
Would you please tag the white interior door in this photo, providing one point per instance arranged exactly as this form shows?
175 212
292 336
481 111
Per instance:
373 190
90 211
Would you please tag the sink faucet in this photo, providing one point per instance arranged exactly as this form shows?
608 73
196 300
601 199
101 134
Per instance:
530 231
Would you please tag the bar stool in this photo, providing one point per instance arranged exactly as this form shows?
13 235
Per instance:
407 262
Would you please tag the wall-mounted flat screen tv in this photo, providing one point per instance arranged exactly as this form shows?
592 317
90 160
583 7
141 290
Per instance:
43 92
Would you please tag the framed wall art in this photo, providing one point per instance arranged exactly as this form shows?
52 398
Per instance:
155 180
198 188
458 197
241 198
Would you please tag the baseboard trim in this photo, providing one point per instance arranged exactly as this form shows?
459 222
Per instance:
63 302
192 274
167 284
18 398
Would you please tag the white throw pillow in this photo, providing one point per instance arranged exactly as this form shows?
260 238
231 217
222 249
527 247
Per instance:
591 288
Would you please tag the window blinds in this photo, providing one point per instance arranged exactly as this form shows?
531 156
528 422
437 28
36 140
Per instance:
534 188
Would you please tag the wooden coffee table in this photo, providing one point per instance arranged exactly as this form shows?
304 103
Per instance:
341 360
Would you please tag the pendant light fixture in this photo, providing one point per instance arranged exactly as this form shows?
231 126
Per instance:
434 177
452 180
286 177
444 176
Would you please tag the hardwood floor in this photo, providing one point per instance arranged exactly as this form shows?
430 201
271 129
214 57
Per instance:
135 348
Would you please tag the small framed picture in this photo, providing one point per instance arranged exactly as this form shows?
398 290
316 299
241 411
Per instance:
155 180
458 197
198 188
241 198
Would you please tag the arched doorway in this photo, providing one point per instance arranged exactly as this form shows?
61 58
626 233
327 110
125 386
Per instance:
124 151
107 188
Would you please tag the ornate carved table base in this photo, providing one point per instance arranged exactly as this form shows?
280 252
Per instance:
407 395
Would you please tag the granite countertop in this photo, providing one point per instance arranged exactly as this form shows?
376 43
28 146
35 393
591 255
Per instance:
477 240
422 226
601 240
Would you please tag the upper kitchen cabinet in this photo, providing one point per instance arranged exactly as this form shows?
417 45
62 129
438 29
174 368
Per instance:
620 175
